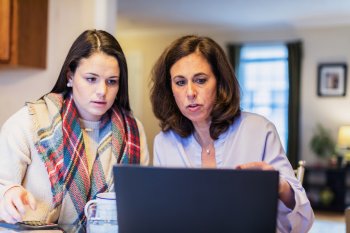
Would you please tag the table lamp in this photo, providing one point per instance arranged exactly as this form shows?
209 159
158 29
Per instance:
344 142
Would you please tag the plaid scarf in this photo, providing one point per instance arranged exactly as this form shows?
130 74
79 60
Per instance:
61 147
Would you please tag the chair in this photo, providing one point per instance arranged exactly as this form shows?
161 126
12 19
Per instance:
347 219
299 172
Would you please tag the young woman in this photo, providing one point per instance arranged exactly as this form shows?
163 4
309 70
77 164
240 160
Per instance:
58 152
195 95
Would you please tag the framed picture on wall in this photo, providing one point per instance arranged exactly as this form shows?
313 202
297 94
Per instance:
332 79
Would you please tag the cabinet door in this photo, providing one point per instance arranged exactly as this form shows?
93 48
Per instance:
5 13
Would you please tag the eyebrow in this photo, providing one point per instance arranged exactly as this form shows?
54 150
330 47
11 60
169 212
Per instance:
195 75
92 74
114 76
200 74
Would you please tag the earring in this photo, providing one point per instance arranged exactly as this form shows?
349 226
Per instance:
69 84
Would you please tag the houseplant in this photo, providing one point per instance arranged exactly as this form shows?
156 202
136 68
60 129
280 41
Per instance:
322 144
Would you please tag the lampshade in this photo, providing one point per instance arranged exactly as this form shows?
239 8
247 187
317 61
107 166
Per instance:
344 137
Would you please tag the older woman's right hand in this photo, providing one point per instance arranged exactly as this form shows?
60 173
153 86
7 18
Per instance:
13 203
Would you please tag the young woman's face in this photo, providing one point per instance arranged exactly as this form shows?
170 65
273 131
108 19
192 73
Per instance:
194 87
95 85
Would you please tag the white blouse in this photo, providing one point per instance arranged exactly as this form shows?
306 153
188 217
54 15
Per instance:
250 138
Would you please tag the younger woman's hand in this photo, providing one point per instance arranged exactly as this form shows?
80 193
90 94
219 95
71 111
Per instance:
12 206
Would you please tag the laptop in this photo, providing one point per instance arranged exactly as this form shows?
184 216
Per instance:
181 200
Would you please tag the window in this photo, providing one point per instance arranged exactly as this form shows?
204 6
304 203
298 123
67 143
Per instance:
263 77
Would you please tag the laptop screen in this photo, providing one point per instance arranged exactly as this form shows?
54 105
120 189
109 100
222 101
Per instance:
176 200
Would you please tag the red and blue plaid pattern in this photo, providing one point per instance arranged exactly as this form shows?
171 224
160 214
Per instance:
63 152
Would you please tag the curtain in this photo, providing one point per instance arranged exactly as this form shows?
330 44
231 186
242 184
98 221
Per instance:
234 51
294 72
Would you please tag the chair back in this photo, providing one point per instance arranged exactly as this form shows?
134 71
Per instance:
347 219
299 172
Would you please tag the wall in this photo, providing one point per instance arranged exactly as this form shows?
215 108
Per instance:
320 45
67 19
142 51
331 45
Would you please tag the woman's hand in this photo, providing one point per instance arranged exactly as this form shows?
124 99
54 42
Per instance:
285 191
12 206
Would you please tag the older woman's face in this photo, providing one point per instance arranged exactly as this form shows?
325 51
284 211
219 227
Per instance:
95 85
194 87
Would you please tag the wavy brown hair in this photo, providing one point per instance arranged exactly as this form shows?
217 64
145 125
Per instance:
226 106
88 43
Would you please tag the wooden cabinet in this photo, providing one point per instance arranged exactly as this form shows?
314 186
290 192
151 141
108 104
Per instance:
4 30
23 33
328 188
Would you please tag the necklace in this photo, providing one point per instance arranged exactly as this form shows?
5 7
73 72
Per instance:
208 159
207 150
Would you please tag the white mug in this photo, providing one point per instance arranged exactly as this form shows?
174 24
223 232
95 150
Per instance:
104 205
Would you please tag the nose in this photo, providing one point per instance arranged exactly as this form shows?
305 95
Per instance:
191 91
101 89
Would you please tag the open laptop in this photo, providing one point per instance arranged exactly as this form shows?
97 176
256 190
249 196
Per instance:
181 200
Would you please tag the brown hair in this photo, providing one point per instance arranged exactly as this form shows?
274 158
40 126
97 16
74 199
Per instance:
88 43
226 107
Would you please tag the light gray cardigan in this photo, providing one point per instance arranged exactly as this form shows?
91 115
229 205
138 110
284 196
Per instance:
20 164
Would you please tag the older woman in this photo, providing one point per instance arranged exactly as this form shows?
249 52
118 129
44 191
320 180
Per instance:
195 95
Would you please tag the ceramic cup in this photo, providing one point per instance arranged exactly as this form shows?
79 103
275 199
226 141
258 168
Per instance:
102 208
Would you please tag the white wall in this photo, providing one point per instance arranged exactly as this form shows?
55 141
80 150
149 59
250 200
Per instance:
320 45
329 45
141 52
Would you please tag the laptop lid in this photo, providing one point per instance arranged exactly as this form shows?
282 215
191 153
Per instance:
179 200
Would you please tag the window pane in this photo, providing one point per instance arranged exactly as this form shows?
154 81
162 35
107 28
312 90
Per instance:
264 52
263 77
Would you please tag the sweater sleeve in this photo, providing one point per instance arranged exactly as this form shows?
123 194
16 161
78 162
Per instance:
15 137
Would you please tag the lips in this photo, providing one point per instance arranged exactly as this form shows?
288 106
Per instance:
193 107
99 102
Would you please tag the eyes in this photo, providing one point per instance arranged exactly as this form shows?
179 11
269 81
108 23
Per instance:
181 81
110 81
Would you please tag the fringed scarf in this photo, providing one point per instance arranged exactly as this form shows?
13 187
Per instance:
61 147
